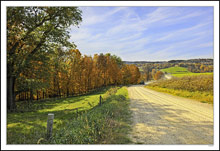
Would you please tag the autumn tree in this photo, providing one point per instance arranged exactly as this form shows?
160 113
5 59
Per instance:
30 31
147 72
158 75
135 74
42 63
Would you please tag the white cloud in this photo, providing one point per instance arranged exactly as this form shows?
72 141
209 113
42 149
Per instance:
131 36
191 31
91 17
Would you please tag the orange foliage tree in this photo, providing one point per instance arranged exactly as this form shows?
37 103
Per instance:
70 73
158 75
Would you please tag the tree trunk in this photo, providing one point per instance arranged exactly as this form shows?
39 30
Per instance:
31 95
37 95
19 96
10 93
67 92
54 86
26 96
58 86
43 94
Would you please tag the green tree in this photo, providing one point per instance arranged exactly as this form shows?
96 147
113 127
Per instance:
32 30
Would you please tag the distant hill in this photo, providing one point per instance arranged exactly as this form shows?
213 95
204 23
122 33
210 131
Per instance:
181 72
205 61
192 61
142 62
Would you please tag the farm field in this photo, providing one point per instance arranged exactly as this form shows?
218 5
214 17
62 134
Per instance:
176 70
195 87
89 124
181 72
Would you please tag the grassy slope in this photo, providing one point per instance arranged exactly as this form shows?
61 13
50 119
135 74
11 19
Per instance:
181 72
87 126
194 87
176 70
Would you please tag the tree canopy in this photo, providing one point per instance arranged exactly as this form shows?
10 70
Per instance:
42 63
33 33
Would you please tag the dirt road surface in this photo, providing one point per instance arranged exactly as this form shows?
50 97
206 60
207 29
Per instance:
160 118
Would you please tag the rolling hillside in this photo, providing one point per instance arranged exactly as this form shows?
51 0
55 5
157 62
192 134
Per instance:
181 72
176 70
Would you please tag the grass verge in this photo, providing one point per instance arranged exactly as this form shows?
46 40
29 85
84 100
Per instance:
78 120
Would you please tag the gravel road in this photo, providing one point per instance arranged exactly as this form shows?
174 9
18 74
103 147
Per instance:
160 118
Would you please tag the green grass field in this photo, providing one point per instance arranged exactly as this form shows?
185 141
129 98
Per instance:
181 72
77 120
176 70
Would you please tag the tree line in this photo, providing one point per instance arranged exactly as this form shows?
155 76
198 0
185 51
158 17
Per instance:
69 73
197 67
41 62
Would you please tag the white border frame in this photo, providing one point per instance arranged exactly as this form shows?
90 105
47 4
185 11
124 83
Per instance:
215 4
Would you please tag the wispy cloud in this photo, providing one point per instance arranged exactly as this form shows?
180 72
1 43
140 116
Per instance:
208 44
90 16
146 33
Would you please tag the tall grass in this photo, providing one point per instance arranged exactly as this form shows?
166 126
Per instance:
196 87
106 124
89 124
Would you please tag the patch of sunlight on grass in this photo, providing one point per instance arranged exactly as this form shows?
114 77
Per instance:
123 91
74 103
12 125
29 126
176 70
35 122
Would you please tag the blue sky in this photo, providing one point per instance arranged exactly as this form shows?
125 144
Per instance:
146 33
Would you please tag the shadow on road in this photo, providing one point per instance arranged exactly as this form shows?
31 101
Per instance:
161 124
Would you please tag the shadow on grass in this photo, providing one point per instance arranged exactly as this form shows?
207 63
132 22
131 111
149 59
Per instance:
29 127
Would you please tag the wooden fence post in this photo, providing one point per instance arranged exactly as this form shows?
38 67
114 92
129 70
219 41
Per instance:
50 125
100 100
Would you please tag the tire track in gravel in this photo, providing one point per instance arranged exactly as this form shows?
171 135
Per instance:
160 118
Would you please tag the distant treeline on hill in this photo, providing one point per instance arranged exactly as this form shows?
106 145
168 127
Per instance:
172 61
192 61
142 62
